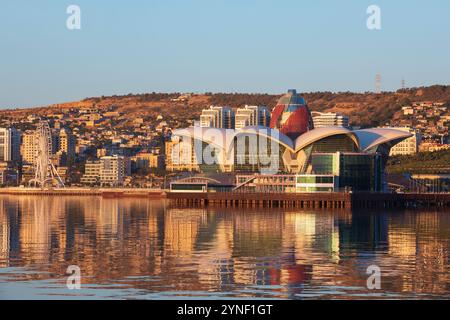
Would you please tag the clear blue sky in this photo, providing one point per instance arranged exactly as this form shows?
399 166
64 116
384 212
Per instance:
217 45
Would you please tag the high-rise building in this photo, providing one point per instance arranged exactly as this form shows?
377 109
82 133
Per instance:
28 147
9 144
108 171
217 117
66 144
252 116
321 120
114 169
409 146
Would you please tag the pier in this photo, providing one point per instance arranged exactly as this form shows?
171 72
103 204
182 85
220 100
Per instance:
320 201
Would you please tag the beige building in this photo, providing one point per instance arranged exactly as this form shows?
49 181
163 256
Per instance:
180 155
409 146
147 160
28 147
67 144
322 120
92 172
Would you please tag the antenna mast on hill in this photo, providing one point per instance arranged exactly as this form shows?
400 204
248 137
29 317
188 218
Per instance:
403 84
378 83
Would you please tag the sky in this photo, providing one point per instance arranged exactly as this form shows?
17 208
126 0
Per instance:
255 46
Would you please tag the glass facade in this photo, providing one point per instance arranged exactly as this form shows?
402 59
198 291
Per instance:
250 158
337 143
314 179
360 172
356 171
188 187
315 189
323 163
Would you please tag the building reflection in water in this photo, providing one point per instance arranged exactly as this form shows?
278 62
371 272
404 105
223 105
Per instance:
150 246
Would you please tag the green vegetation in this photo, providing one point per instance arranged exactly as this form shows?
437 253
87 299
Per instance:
427 162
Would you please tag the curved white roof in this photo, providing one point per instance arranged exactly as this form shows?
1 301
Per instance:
320 133
371 138
218 137
267 132
223 138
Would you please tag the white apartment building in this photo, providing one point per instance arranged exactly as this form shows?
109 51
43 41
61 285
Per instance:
409 146
329 120
9 144
92 172
108 171
114 169
217 117
252 116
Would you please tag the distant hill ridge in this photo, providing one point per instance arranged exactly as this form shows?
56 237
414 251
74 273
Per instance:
364 109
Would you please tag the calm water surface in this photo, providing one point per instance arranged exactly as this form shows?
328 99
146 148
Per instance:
145 249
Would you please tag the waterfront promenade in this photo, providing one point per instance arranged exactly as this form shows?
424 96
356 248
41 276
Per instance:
322 201
102 192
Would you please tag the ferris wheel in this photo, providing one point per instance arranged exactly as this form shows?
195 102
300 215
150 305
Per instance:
45 172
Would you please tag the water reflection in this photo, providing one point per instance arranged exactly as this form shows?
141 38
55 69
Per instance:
146 249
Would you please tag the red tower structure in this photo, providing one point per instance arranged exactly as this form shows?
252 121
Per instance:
291 115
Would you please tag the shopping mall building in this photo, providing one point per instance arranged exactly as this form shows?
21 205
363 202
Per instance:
290 155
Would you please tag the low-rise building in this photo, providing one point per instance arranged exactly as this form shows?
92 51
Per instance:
321 120
147 160
92 173
9 175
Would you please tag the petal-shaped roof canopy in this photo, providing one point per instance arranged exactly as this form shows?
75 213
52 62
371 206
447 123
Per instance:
372 138
365 140
215 136
273 134
321 133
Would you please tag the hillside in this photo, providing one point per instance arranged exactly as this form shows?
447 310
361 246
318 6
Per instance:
428 162
364 109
